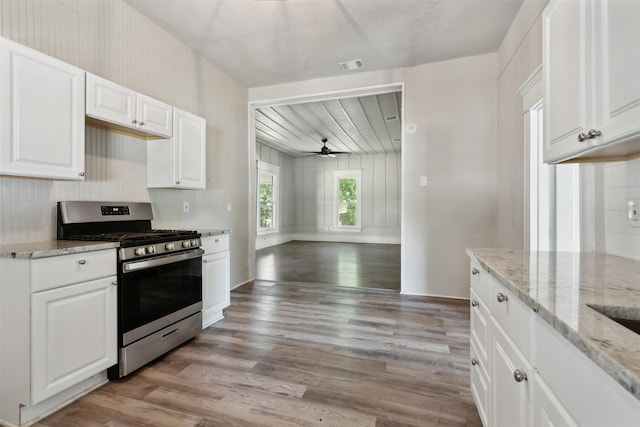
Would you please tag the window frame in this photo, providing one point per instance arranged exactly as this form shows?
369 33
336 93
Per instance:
337 176
274 171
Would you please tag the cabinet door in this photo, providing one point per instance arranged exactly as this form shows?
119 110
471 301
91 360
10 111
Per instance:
618 68
73 335
41 115
154 116
215 287
548 410
111 102
567 71
510 398
190 150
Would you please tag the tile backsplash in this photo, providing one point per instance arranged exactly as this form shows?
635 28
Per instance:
621 184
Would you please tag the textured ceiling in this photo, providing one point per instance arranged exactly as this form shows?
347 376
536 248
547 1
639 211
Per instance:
266 42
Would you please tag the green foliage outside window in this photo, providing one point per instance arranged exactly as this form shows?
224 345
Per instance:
348 201
266 205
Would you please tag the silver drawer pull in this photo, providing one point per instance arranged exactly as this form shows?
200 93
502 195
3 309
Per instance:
519 376
475 271
217 240
114 283
82 261
168 334
474 303
501 297
474 362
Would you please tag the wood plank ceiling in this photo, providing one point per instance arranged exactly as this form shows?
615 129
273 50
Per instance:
359 125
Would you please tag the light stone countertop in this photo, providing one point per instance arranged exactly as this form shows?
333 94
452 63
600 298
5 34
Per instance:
51 248
214 232
561 285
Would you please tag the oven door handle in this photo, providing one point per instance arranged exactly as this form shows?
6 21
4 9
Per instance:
130 266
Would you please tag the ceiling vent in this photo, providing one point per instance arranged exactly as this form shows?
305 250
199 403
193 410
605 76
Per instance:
356 64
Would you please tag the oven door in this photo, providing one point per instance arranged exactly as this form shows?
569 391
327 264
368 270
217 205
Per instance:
158 291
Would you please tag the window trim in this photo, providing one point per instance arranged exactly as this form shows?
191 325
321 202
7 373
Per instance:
337 175
274 171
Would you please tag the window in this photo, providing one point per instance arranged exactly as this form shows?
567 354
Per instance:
267 198
347 211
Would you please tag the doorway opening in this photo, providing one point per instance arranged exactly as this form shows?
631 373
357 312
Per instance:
333 207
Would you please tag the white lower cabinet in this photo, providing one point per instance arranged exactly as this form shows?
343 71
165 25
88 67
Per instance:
535 376
58 330
216 293
548 410
73 335
511 391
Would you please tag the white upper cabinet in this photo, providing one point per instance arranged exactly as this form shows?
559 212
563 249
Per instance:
41 115
591 64
181 161
120 106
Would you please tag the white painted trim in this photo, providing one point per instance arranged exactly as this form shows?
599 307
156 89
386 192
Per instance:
326 96
355 238
243 283
272 240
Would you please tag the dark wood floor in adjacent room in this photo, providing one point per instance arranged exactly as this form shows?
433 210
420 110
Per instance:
345 264
302 355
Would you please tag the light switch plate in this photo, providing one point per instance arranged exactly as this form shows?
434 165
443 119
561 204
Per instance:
633 212
185 206
423 181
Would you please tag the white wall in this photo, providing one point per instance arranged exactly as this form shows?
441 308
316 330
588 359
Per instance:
621 183
285 196
110 39
453 105
380 206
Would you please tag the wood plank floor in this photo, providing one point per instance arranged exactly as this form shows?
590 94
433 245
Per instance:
301 355
345 264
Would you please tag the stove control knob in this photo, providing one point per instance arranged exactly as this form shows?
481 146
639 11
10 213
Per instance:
186 244
169 246
151 249
194 243
139 251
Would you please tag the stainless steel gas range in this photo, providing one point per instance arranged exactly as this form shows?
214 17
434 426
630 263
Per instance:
159 277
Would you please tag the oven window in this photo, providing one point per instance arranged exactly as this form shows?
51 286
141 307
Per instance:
150 294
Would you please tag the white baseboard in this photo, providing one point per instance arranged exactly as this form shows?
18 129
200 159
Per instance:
347 238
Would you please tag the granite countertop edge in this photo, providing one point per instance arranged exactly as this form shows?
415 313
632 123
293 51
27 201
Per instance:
628 379
214 232
51 248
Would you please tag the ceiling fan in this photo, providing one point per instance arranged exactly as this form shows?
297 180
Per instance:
326 151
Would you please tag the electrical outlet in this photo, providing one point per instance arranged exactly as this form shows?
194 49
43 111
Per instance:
185 206
423 181
633 212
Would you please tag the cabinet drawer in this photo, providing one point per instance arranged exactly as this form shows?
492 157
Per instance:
512 315
213 244
480 326
53 272
480 281
480 385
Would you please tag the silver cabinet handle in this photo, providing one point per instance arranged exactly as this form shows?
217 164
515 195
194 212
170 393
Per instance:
501 297
217 240
474 361
81 174
141 123
592 133
134 121
474 303
475 271
519 376
114 283
82 262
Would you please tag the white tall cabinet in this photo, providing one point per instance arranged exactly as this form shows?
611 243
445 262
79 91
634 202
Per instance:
41 115
591 69
58 329
216 293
